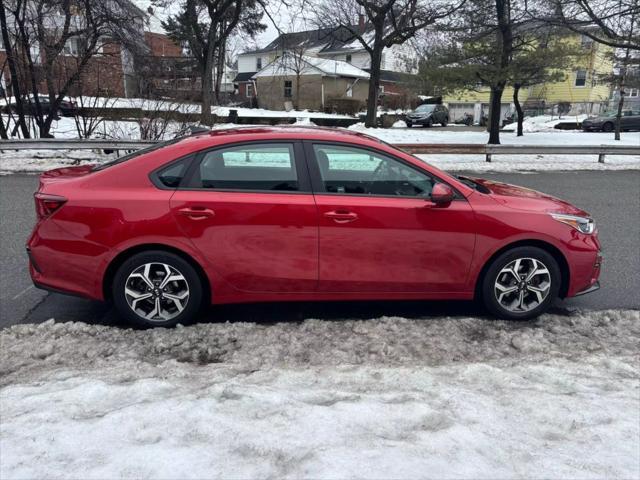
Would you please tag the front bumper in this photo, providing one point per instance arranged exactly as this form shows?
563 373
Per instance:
419 121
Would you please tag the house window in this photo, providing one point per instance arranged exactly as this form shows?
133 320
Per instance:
586 42
1 43
259 63
71 46
350 89
287 88
633 92
594 80
581 78
348 58
249 90
381 90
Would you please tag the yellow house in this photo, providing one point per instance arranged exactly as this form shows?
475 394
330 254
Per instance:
582 88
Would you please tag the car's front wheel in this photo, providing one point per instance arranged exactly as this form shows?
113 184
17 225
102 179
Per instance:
157 289
521 283
409 124
607 127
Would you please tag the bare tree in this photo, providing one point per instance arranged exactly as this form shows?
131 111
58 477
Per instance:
7 29
609 22
205 26
379 24
50 32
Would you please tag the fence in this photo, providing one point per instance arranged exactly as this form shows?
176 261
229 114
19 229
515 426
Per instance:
416 148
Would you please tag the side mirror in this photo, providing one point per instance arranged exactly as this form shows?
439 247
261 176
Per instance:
442 194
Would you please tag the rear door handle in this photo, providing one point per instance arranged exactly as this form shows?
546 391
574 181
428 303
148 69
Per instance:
196 213
341 216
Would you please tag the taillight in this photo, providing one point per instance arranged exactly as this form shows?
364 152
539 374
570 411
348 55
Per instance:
47 204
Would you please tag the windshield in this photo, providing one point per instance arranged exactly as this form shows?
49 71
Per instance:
425 108
137 153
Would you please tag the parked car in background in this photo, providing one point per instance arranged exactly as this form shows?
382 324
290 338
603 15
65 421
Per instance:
606 122
300 214
427 115
67 108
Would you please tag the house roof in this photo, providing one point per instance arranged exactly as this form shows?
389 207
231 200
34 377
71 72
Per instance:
244 76
322 40
396 77
290 64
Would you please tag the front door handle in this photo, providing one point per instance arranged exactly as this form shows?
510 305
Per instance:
341 216
196 213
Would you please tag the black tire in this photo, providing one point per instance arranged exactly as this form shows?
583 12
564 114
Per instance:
409 124
444 124
607 127
488 284
181 266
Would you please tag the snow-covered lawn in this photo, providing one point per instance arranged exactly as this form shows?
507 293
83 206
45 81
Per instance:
385 398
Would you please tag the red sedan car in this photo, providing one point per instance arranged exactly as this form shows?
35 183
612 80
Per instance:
286 214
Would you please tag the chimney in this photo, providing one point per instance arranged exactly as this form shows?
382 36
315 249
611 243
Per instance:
361 23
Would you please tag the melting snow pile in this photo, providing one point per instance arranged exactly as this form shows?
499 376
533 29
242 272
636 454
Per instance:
542 123
385 398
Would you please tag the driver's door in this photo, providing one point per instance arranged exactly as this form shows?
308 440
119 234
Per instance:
379 232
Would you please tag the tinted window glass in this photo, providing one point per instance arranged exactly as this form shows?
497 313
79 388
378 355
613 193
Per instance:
172 175
250 167
355 171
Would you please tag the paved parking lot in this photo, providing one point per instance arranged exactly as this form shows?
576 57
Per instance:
612 197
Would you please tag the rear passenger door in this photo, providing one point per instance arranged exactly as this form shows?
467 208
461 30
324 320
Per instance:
250 211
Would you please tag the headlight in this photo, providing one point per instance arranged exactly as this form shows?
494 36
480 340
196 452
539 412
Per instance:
582 224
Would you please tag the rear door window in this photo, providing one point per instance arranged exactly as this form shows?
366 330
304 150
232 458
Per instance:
256 167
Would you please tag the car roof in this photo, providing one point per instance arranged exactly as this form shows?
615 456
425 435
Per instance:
227 135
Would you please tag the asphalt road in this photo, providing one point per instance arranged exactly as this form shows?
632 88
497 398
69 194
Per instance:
612 197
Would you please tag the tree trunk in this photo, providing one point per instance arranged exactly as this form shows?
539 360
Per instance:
13 72
220 61
494 113
207 80
516 102
619 113
374 85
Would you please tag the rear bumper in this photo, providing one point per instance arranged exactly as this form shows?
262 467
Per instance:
62 263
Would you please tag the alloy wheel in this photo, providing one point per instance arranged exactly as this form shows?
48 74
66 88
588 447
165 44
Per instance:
522 285
156 292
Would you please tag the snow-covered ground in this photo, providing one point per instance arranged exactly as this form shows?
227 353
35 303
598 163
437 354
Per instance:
542 123
381 398
37 161
184 107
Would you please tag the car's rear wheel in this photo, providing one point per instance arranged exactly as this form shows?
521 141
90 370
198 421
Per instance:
157 289
522 283
607 127
446 121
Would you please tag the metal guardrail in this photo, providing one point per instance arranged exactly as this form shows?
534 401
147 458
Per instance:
415 148
489 150
74 144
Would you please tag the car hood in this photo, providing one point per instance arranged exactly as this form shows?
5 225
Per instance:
521 198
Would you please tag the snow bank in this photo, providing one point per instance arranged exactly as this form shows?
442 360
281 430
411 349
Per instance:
542 123
33 350
386 398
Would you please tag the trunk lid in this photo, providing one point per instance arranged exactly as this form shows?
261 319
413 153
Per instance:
63 174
